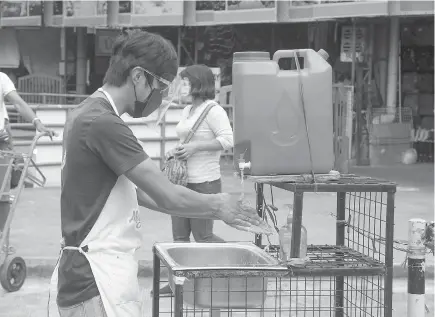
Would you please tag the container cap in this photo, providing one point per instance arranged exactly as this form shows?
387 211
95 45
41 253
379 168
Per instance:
251 56
323 53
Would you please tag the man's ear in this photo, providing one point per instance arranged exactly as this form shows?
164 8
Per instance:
136 75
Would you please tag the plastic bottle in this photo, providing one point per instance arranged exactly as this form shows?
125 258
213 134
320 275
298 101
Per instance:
285 238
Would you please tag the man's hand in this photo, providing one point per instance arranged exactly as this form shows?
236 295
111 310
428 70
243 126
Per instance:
42 128
183 152
238 214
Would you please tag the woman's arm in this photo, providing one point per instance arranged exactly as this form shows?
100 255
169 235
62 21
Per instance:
219 123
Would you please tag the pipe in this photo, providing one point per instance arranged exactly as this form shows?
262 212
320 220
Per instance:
112 14
352 80
48 13
189 16
416 268
283 9
393 58
81 65
382 57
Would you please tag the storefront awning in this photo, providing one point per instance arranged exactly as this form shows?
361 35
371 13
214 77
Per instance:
9 50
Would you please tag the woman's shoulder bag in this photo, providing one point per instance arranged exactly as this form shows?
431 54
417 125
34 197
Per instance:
176 170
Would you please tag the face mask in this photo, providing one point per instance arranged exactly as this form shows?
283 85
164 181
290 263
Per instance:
185 88
149 105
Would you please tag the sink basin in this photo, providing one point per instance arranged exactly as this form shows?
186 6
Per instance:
232 289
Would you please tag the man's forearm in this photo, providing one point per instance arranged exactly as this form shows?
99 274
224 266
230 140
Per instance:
176 200
146 201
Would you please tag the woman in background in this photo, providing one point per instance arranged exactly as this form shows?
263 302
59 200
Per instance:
203 152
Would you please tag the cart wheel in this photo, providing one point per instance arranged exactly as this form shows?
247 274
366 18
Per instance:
13 273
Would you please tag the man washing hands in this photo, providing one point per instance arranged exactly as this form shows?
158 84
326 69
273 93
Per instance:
231 209
228 208
106 173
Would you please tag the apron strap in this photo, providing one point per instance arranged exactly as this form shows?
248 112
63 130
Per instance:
82 250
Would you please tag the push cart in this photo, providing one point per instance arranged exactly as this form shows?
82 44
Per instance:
12 267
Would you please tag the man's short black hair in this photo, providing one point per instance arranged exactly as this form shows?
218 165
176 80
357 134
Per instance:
140 48
202 83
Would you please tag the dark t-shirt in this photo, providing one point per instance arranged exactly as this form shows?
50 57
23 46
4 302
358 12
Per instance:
98 147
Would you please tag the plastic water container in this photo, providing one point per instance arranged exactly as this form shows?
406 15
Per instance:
269 124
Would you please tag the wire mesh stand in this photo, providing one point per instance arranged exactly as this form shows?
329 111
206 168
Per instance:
362 259
351 278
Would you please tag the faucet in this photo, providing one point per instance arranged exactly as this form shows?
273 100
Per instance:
242 164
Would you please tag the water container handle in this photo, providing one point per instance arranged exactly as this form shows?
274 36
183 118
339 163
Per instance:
285 54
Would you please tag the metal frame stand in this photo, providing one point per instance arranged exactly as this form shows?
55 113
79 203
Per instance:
352 277
347 184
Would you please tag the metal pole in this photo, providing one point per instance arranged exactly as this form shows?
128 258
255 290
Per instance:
353 53
179 39
178 297
112 14
355 104
272 39
416 263
196 45
382 34
399 81
260 200
81 61
48 13
63 59
389 252
340 240
393 58
156 284
298 199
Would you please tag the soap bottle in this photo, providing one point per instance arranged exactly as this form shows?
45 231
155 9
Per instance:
285 238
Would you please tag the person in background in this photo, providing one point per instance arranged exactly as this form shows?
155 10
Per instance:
203 152
9 93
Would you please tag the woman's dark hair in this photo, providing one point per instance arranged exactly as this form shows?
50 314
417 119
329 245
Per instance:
202 83
140 48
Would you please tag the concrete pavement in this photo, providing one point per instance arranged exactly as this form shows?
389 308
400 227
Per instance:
36 227
31 300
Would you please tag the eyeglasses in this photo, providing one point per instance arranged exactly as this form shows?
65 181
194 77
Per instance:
165 83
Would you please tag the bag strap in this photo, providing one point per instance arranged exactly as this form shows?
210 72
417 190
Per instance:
201 118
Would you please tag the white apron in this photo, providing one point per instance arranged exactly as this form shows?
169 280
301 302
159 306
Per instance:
112 245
